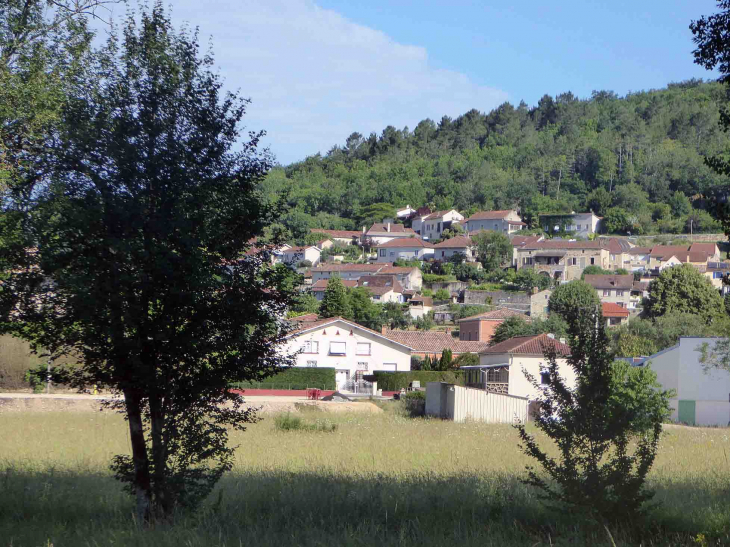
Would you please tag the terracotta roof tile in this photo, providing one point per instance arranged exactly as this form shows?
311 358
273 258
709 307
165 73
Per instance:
610 281
321 285
529 345
433 341
489 215
406 242
348 268
708 248
458 242
380 228
609 309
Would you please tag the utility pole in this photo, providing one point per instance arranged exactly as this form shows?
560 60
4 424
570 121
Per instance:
48 378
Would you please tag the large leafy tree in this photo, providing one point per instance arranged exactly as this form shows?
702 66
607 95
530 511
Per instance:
493 249
138 264
576 295
683 289
712 38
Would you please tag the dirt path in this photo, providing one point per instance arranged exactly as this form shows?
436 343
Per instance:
30 402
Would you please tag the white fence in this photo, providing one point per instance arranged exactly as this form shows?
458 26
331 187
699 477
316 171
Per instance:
463 403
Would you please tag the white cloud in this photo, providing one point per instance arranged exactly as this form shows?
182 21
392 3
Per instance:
314 77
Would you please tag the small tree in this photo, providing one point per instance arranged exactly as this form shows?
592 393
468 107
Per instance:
363 310
595 426
446 360
335 302
509 328
683 289
442 294
593 270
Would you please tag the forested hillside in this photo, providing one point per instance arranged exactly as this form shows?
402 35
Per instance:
637 160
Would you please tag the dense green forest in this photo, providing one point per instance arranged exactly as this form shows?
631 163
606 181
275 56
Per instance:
637 160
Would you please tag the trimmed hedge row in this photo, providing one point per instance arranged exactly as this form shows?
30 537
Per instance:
395 381
295 378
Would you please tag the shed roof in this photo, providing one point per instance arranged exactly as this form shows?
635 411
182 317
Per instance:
610 281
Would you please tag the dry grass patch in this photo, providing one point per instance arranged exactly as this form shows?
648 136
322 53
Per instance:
378 479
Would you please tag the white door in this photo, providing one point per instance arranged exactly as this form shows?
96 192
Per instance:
341 376
388 366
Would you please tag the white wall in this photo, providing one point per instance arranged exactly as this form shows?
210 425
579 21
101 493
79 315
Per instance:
694 383
445 254
461 404
666 366
519 385
383 351
405 253
345 274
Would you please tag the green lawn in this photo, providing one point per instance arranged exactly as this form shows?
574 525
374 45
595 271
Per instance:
379 479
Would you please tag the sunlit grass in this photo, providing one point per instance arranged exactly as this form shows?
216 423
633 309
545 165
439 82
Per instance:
377 479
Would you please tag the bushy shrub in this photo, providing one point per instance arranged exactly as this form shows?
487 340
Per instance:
442 294
395 381
415 403
289 422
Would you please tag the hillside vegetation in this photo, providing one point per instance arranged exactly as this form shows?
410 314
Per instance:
638 160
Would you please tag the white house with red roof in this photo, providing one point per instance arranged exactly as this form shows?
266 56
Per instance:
502 367
456 245
614 314
294 255
351 349
506 222
382 232
412 248
433 225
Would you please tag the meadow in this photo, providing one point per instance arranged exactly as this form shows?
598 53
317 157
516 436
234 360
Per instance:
375 479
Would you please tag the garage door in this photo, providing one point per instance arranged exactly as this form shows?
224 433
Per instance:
686 412
388 366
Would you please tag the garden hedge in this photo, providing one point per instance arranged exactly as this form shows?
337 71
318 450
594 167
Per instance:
394 381
295 378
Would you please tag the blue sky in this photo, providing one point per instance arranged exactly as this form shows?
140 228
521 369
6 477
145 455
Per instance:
319 70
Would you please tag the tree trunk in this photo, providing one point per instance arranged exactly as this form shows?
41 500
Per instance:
163 503
142 484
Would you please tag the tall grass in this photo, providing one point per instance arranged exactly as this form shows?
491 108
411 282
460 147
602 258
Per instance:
378 479
291 422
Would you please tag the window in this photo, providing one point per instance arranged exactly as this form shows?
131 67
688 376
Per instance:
363 348
311 364
578 227
383 252
310 346
438 227
572 261
392 253
376 297
613 258
593 260
443 253
338 348
362 365
716 275
621 304
619 293
606 292
544 377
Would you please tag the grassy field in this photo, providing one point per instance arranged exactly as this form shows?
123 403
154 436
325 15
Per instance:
376 480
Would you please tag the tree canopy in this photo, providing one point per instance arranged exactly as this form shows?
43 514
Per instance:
131 255
683 289
570 300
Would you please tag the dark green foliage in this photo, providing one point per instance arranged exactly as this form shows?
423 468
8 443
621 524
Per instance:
37 377
713 51
563 155
395 381
519 326
445 362
726 301
461 311
140 230
572 296
362 309
648 336
335 302
294 378
395 315
493 249
466 360
606 430
594 270
683 289
442 294
415 403
425 322
527 278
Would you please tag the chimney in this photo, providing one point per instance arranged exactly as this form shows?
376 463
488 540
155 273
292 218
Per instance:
551 335
363 230
388 229
383 329
535 290
562 340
